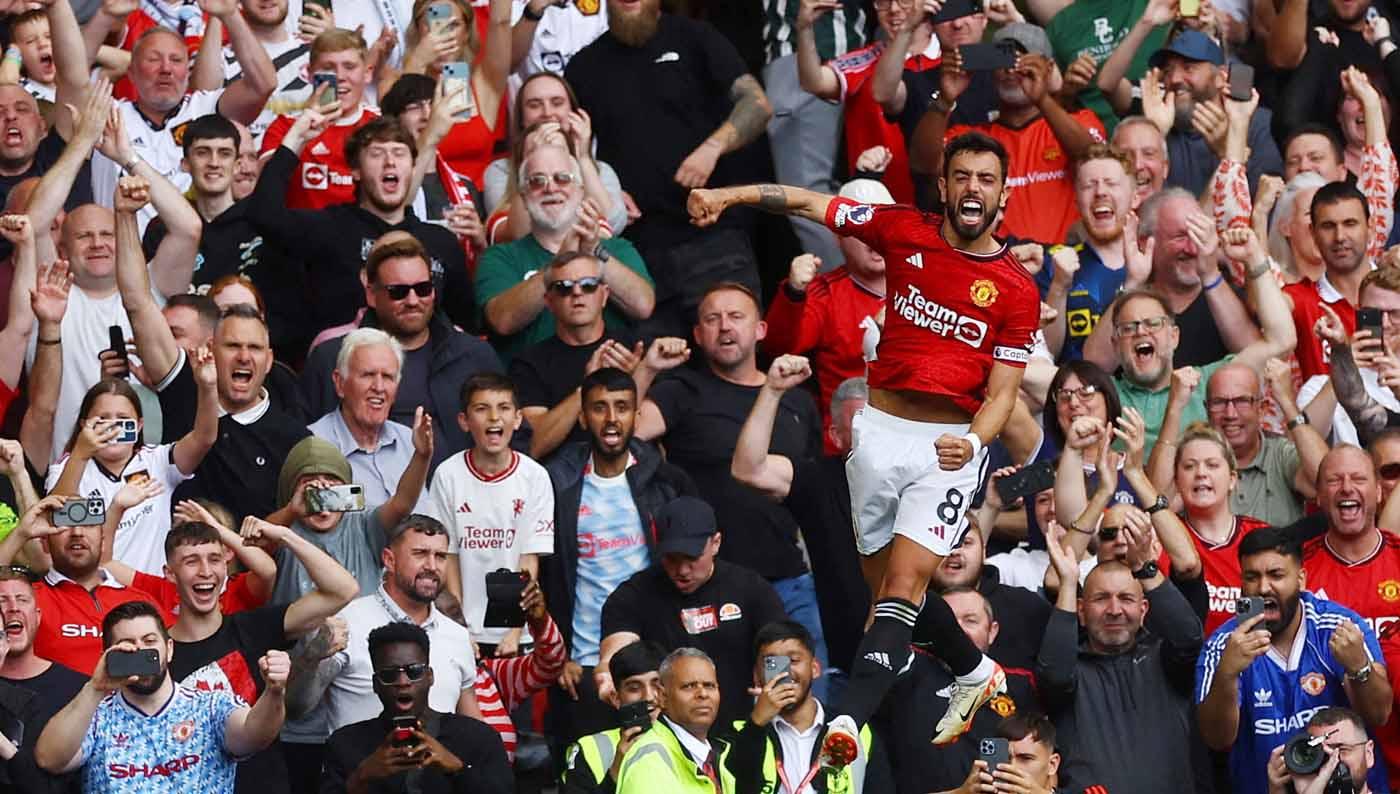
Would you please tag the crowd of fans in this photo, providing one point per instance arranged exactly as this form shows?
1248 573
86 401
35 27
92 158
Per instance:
375 417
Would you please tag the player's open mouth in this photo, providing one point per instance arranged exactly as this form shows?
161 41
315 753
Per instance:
14 628
612 434
970 210
1349 509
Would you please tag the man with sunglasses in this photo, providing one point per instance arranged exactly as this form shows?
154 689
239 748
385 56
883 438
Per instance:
1260 679
409 746
512 278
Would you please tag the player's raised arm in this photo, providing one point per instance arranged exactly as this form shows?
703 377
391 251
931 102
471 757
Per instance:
706 205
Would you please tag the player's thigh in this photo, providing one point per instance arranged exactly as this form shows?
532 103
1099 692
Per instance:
878 467
933 508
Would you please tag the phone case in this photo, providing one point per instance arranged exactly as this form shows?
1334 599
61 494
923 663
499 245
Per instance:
503 592
121 664
986 57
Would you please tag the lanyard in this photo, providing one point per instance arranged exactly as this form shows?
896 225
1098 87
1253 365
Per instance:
801 784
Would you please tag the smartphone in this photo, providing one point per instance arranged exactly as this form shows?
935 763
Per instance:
127 432
439 17
1190 8
775 667
1369 319
1248 607
503 591
122 664
457 76
1029 480
320 79
335 499
995 751
324 4
80 511
986 57
1241 81
402 733
634 715
957 9
116 342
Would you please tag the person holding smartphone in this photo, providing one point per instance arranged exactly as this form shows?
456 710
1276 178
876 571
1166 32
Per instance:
591 764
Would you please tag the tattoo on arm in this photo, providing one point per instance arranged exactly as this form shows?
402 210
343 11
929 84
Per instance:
1368 415
772 198
751 111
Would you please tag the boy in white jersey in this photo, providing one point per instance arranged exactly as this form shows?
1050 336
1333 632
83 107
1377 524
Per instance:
497 505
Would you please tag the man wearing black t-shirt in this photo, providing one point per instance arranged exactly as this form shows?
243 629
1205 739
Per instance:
217 651
700 412
690 599
547 374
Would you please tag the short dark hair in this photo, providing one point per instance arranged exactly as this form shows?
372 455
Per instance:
1276 539
131 610
1314 128
486 381
608 379
402 248
780 630
1029 723
975 143
190 533
241 311
396 632
202 305
207 127
636 658
381 130
1328 716
406 90
1089 374
417 522
1335 193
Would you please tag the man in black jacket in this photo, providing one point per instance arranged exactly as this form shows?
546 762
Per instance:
605 493
437 754
335 242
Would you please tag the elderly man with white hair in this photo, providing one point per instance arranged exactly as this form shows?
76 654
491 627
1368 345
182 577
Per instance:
511 277
366 378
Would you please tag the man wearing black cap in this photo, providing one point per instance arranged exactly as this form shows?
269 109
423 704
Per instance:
1193 73
692 599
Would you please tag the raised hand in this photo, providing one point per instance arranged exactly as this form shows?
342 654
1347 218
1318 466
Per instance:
257 532
17 229
802 270
667 352
1079 75
581 132
206 374
463 221
188 511
315 20
49 300
874 160
1279 376
1085 432
1247 642
330 638
787 371
11 457
96 434
696 168
1066 261
1158 104
133 193
1184 383
90 119
1061 554
1329 327
1241 245
809 11
422 432
1033 73
134 493
953 80
218 8
116 144
705 206
276 668
1132 431
953 452
1137 261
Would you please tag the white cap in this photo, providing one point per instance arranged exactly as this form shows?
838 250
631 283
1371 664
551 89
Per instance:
867 191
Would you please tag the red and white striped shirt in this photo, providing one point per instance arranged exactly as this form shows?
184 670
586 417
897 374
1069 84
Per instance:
504 683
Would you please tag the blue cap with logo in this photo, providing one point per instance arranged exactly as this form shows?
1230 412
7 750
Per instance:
1192 45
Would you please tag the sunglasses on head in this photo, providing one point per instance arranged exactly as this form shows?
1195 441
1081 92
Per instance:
17 571
565 286
390 675
1390 471
398 292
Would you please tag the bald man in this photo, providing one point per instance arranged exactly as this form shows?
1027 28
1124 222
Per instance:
1276 473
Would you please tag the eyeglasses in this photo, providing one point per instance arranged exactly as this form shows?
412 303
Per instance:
1108 534
1390 471
1083 393
390 675
1152 324
398 292
561 179
1239 403
884 4
564 287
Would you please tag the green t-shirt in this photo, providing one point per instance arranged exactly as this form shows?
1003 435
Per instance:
1096 27
1153 404
505 265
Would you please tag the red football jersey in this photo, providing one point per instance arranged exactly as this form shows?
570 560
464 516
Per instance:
1370 587
1388 735
1220 569
237 596
322 178
949 313
1314 356
71 631
1041 205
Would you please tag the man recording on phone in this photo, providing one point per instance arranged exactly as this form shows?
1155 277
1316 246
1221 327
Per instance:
778 747
1281 661
591 764
1021 757
409 746
1332 754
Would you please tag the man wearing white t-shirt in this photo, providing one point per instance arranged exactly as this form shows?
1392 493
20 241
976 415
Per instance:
88 242
545 34
160 72
497 505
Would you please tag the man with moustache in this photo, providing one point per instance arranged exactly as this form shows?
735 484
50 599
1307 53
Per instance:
1259 680
1351 401
512 278
1341 218
335 242
680 752
118 729
714 110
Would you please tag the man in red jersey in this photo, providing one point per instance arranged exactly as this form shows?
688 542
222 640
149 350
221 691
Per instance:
1354 564
960 315
1340 220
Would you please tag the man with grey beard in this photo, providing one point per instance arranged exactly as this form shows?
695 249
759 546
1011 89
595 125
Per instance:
512 278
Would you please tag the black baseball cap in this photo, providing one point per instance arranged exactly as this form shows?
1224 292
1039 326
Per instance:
683 526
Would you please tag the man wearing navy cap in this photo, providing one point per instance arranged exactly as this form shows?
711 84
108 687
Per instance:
691 599
1194 73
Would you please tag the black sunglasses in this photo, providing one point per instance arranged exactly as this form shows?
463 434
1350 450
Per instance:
1108 534
398 292
390 675
1390 471
11 571
564 287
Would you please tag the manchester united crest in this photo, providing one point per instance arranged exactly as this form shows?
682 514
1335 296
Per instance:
1389 590
1313 684
1002 705
984 292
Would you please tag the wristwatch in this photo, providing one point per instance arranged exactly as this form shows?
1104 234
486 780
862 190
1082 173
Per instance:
1361 676
938 103
1147 571
1160 504
1298 421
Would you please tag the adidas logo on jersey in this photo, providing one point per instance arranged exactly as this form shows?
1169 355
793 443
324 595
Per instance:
321 149
465 508
917 260
1263 698
881 658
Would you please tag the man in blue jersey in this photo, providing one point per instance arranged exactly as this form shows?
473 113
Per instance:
1259 681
